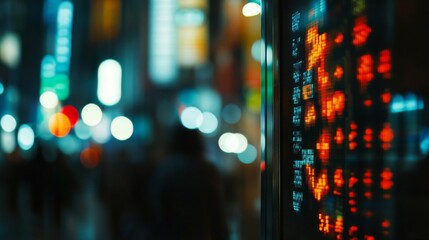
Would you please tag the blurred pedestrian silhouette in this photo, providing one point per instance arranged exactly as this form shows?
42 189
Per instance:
187 200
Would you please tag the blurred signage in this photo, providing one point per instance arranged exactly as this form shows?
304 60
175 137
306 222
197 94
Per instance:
163 67
192 30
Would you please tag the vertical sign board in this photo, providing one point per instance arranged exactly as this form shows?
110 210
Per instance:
335 76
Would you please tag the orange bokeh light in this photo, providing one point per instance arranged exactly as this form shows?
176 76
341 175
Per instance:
386 179
339 227
386 97
367 103
338 74
352 136
386 136
323 145
318 185
339 38
385 223
262 166
368 137
353 230
361 32
338 178
90 157
367 177
310 114
339 100
385 65
323 223
365 70
59 125
339 136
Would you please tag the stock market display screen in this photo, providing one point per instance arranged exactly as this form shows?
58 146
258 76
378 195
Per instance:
352 145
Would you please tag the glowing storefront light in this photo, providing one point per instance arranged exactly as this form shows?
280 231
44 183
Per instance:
191 117
8 123
251 9
162 40
25 137
10 49
109 82
91 114
48 100
209 123
122 128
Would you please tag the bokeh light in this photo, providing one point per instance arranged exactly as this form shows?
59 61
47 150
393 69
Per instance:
191 117
59 125
25 137
8 123
233 142
249 155
231 113
43 131
242 143
72 113
251 9
109 82
91 114
82 131
49 100
10 49
90 157
256 50
1 88
122 128
209 124
8 142
223 141
424 145
69 144
101 132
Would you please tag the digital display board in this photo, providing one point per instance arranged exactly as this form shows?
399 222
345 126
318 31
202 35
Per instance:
341 137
